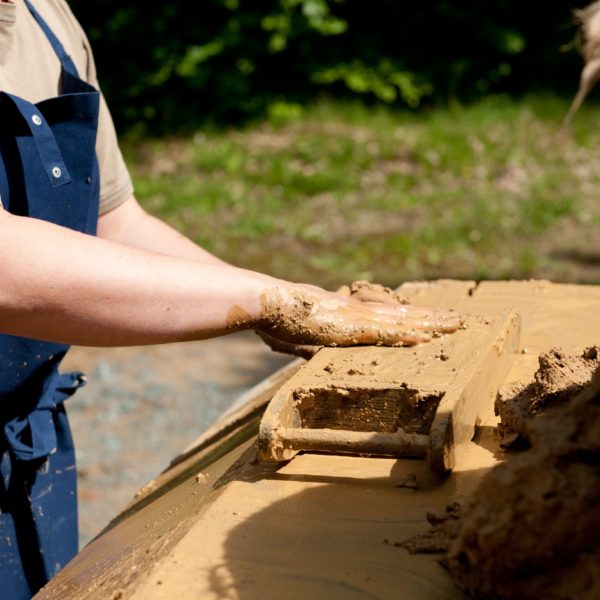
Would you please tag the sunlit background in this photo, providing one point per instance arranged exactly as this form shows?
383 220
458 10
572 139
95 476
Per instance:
327 141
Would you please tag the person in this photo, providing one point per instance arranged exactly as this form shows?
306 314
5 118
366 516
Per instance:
82 263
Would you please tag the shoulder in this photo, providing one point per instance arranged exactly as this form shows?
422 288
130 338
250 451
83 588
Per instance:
62 21
58 14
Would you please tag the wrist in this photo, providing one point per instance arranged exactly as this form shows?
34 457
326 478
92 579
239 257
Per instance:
286 310
259 302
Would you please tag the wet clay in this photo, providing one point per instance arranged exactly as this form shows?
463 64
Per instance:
530 530
237 318
303 350
385 401
359 314
322 525
444 528
360 409
559 377
365 291
290 321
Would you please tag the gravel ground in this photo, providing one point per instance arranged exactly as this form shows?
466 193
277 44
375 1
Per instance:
143 406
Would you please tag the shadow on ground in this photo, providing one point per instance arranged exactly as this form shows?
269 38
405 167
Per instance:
143 406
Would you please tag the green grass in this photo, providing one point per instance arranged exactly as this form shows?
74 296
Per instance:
491 190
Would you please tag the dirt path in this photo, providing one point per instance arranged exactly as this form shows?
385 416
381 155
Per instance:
142 406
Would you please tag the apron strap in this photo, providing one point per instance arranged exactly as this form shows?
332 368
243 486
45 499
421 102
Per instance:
46 145
33 436
65 60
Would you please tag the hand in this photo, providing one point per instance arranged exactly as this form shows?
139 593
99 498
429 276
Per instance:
300 319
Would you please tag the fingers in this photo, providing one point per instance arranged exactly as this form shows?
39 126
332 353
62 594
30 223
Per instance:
443 321
384 301
366 335
390 335
356 325
310 317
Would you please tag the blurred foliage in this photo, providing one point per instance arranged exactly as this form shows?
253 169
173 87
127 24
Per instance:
339 191
178 64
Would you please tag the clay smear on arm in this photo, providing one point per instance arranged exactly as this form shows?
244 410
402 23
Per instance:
238 318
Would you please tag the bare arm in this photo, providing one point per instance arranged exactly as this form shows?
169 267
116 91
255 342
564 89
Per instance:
74 288
286 322
78 289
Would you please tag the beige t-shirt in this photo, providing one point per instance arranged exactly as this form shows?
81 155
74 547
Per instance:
29 68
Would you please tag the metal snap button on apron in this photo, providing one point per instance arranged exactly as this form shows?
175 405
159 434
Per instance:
37 120
56 172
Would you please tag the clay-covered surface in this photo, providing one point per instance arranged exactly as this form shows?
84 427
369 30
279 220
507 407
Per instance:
559 377
359 409
142 405
531 528
322 525
441 389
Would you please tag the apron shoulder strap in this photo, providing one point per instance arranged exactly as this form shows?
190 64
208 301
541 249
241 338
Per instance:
65 60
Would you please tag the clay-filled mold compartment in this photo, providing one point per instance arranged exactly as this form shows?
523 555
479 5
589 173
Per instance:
368 410
406 402
378 421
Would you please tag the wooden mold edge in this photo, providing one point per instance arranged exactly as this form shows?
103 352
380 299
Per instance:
463 408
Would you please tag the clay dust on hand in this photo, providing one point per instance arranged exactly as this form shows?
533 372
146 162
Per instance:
360 314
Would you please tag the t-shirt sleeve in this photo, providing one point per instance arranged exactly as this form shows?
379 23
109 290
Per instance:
115 182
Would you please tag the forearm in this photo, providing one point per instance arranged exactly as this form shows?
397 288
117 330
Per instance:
73 288
129 224
64 286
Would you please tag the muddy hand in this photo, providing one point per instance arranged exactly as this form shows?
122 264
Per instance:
307 315
303 350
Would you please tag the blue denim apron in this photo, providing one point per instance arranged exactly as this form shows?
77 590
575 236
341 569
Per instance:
49 171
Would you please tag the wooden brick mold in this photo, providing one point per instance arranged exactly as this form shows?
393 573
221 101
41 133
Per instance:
422 401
